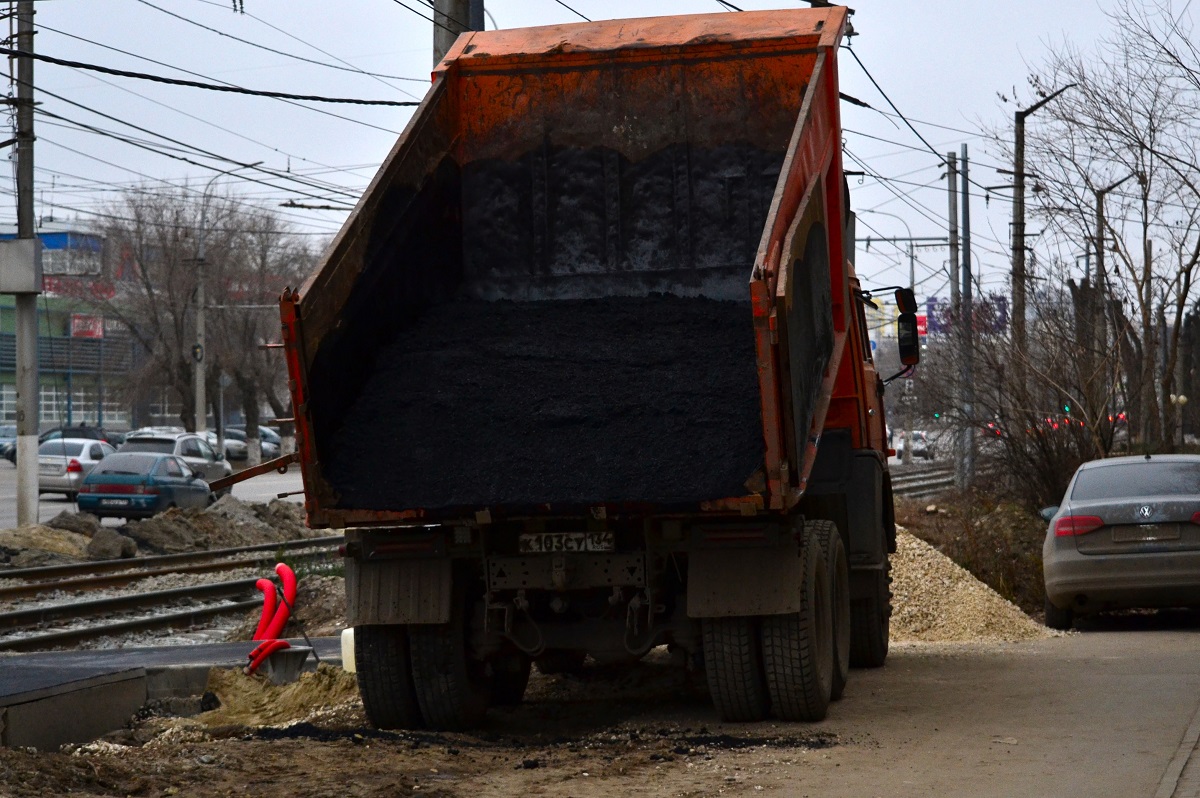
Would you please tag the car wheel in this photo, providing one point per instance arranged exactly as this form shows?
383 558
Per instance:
1062 620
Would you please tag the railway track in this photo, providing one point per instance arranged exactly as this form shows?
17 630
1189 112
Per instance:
26 629
922 483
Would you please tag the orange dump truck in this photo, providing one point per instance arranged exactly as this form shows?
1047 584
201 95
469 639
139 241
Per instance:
586 372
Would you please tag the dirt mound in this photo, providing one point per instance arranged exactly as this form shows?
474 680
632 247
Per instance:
935 600
36 545
227 523
253 701
81 523
320 610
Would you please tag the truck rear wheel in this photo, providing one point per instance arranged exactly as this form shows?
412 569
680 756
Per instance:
510 677
453 688
839 589
385 677
734 668
870 618
798 648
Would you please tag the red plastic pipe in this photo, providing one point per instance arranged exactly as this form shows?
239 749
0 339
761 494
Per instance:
267 649
284 610
267 587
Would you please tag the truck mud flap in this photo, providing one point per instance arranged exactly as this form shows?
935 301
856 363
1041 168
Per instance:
398 591
725 582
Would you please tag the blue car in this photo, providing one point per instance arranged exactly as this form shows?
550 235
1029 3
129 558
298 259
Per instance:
140 484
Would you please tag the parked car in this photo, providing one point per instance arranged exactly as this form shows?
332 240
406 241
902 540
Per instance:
1127 535
234 449
54 433
8 439
194 450
269 441
64 462
922 446
140 484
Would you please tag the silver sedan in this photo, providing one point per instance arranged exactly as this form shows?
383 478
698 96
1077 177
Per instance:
1127 535
64 462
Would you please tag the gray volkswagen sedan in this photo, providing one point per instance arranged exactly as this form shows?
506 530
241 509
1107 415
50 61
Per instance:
1126 535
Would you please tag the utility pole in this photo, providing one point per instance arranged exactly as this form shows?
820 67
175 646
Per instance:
200 369
450 18
962 434
1018 236
967 459
952 196
26 301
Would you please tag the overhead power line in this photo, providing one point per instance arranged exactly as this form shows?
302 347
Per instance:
309 44
573 11
249 43
882 93
322 111
198 85
729 6
432 19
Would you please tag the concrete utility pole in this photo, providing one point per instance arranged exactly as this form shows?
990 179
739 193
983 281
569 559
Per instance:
1018 235
26 302
967 459
450 18
199 352
952 196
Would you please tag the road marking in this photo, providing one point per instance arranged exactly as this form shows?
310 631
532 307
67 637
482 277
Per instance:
1170 779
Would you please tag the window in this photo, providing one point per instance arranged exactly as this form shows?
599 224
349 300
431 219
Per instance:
206 451
61 447
191 448
95 452
148 445
131 464
1142 478
173 469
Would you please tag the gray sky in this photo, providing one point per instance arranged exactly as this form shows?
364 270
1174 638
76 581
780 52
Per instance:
941 63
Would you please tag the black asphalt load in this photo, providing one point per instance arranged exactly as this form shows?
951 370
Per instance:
620 399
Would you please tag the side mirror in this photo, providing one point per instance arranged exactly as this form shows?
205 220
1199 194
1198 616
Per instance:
907 339
1048 512
906 301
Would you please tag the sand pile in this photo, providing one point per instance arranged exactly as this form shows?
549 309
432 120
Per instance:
253 701
935 600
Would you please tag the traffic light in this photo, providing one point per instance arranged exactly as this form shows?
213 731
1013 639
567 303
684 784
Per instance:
937 415
1066 408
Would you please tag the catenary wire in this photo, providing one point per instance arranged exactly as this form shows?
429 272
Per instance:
322 111
195 84
272 49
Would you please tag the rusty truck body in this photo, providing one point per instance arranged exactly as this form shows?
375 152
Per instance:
586 372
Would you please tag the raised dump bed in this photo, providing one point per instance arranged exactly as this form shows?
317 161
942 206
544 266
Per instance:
544 296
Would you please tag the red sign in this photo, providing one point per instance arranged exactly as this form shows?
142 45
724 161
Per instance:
83 326
922 324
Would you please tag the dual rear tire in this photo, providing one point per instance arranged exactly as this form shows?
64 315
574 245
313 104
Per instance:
792 664
424 675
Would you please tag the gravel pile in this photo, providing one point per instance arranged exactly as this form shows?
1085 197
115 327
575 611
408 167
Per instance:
935 600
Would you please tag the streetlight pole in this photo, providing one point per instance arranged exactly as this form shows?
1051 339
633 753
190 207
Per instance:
1018 234
198 352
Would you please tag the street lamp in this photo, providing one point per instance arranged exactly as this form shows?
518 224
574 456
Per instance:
1018 230
198 353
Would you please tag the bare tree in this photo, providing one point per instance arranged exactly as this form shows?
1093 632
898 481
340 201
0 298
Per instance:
1114 164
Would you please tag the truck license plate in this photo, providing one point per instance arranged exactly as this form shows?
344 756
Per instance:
566 541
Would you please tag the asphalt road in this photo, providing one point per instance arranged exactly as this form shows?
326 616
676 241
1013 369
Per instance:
262 488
